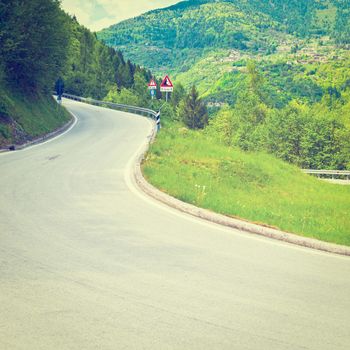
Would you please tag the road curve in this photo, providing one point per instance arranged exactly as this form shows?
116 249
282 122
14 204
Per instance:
88 262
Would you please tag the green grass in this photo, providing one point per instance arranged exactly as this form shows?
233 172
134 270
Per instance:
257 187
24 116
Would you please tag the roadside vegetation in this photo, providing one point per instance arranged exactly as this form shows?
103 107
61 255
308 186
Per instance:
244 159
274 76
229 163
192 166
24 116
33 36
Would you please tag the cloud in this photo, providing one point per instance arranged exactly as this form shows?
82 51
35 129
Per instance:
99 14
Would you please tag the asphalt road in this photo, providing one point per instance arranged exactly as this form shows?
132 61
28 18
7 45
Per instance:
88 262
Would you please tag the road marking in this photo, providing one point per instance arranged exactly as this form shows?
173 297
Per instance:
47 141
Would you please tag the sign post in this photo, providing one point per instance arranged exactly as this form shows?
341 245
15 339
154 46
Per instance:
166 86
152 86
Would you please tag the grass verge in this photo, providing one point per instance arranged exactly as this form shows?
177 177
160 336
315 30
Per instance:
257 187
24 117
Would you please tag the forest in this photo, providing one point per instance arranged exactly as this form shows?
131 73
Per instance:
311 134
39 42
92 68
168 39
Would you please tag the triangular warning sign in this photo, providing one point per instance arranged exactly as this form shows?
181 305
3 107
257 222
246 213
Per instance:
152 84
166 84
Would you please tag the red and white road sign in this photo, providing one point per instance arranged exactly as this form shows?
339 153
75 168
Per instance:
152 85
166 85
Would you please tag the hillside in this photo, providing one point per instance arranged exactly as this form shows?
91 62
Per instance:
307 70
24 117
175 37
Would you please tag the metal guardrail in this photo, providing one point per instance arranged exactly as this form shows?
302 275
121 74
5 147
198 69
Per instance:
120 107
342 174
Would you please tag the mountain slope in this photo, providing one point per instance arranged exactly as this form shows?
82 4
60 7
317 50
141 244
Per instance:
174 37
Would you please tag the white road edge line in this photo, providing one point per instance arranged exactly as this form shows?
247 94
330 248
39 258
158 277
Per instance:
47 141
56 137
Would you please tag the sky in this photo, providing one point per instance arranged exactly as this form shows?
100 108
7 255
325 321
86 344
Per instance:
99 14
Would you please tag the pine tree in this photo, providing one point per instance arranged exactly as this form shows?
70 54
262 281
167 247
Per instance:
193 111
178 94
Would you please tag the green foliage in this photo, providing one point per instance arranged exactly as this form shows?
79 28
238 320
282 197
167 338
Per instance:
39 42
285 132
168 113
193 166
193 111
124 96
306 136
93 68
178 95
140 88
177 36
342 25
24 116
34 39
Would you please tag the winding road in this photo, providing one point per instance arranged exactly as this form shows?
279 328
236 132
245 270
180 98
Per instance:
89 262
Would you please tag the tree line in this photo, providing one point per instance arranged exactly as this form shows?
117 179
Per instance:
39 42
312 136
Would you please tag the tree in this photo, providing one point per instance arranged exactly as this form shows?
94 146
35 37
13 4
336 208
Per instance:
286 130
255 79
342 26
193 111
124 96
177 95
34 38
140 87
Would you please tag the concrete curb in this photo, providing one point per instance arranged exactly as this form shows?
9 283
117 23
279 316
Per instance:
220 219
43 138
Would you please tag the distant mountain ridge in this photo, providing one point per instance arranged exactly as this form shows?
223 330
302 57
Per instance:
168 38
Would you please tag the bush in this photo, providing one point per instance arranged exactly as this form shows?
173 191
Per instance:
124 97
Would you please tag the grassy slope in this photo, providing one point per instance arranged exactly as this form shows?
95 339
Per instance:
254 186
24 117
